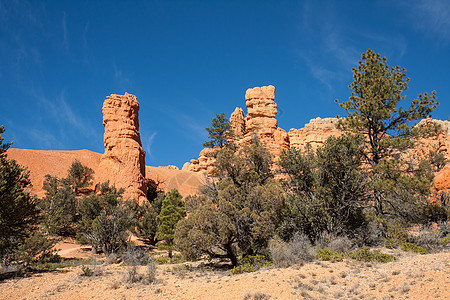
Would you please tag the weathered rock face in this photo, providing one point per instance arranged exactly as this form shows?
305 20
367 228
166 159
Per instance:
442 179
261 122
123 162
204 163
314 133
237 123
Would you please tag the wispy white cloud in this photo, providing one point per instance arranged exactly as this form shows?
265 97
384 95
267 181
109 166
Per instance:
432 17
44 139
191 128
330 56
393 45
62 112
147 143
335 45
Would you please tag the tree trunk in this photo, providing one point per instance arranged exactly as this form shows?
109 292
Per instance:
231 255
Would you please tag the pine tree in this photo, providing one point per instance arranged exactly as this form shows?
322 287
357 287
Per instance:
239 211
18 212
78 176
172 211
59 207
374 110
219 132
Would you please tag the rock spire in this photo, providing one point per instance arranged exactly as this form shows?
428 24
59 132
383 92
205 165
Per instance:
123 162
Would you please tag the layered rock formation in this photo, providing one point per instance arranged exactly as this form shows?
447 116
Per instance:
237 123
204 163
123 162
314 133
260 122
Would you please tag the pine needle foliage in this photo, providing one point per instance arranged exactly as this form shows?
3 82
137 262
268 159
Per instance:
18 214
172 211
378 109
219 132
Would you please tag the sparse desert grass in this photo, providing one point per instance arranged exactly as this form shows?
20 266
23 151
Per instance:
405 288
132 274
95 268
114 285
180 270
296 251
310 281
162 260
354 289
256 296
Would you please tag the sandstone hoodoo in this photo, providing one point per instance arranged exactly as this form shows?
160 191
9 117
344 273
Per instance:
260 122
123 162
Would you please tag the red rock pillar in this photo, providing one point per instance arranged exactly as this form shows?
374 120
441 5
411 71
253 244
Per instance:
123 162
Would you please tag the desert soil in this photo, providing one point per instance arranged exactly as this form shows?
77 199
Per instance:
413 276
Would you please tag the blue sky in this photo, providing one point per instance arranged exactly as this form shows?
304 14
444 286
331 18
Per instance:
188 60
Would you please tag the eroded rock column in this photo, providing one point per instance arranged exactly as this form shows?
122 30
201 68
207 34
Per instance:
123 162
260 120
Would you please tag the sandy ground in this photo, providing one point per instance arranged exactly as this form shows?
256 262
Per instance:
413 276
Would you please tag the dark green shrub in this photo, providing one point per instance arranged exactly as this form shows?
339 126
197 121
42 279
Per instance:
326 188
391 243
86 271
59 207
105 220
241 211
405 246
18 213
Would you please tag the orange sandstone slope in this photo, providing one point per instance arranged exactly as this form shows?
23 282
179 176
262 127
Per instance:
56 163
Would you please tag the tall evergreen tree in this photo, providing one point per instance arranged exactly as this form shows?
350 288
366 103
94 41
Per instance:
172 211
59 207
374 110
18 212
